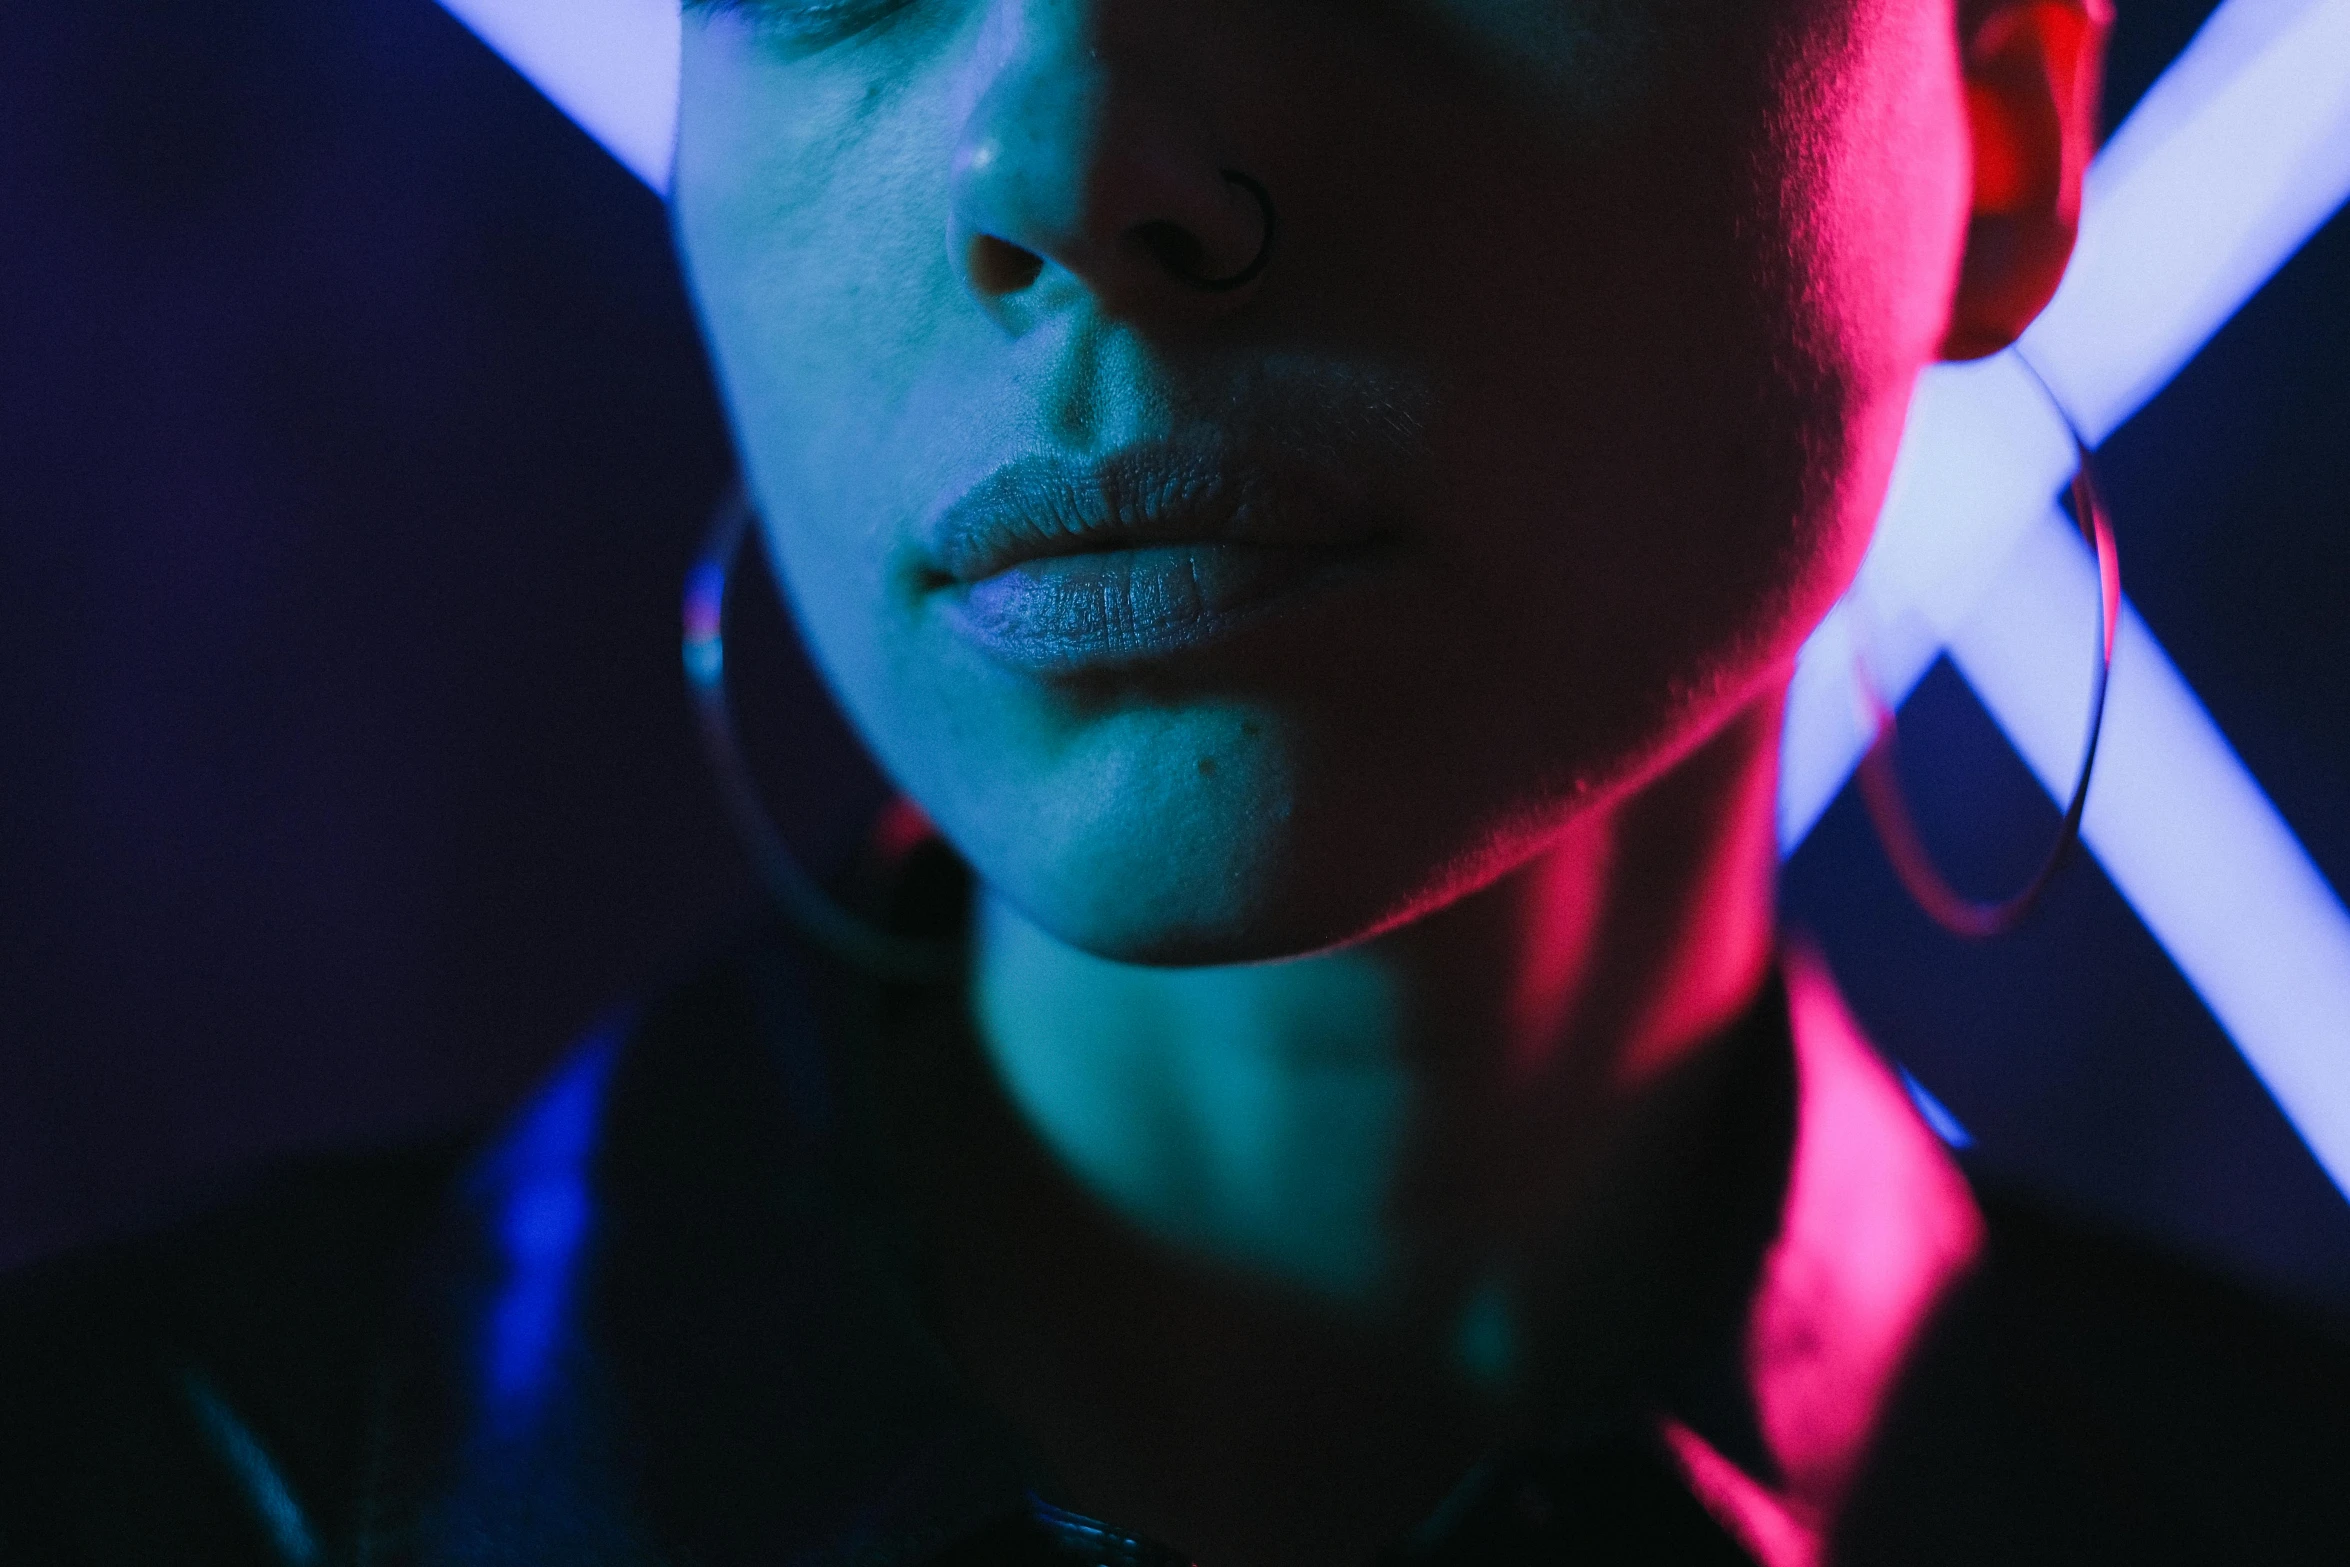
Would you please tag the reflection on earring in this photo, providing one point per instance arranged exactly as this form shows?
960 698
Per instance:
797 895
1880 781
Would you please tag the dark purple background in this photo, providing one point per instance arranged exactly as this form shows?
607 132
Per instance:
353 437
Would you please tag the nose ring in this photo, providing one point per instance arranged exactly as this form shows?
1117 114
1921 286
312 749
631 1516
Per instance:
1247 274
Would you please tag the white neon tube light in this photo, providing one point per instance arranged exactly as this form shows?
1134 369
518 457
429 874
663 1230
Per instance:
611 65
2179 825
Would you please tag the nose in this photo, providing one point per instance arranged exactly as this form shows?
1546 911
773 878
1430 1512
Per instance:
1083 173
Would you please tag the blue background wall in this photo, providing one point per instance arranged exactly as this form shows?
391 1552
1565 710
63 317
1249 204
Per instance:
353 439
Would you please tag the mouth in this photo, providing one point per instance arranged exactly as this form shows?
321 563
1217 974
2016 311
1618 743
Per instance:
1060 568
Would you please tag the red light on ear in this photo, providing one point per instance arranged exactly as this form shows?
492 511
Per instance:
2002 170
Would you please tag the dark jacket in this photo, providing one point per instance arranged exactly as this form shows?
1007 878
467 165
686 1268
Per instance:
648 1322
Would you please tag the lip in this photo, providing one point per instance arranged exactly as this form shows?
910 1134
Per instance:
1058 567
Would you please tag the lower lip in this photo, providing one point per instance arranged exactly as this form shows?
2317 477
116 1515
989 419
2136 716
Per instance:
1112 609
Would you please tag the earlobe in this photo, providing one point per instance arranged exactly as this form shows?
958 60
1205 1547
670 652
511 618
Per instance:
2033 71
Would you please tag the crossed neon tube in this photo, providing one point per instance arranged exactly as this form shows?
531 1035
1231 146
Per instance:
2233 159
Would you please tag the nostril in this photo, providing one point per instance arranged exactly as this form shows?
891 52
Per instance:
1001 267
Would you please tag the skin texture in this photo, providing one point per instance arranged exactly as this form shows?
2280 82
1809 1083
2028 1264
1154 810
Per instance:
1597 319
1611 303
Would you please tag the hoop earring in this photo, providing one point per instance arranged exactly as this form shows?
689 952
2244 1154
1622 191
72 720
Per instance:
796 894
1880 781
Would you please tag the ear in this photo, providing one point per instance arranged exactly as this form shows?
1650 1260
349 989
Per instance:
2033 69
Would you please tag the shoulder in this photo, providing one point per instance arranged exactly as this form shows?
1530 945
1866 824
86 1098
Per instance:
2086 1397
2112 1302
164 1398
226 1390
2238 1402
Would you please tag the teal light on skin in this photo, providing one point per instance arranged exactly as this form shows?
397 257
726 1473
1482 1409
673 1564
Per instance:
1259 1124
1369 1125
1485 1341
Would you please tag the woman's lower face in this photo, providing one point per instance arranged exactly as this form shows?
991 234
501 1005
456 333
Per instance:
1229 623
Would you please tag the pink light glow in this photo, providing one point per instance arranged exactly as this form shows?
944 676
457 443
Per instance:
1878 1225
1753 1516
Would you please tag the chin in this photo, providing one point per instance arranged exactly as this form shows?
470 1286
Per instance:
1171 915
1230 892
1174 938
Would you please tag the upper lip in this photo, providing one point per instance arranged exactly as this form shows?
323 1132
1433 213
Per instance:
1171 492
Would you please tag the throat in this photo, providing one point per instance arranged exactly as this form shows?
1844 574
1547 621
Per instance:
1264 1258
1288 1340
1262 1126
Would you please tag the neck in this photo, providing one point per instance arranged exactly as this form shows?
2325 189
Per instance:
1394 1125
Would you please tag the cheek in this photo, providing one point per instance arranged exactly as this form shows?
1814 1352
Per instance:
1872 162
1851 248
1893 208
806 206
806 210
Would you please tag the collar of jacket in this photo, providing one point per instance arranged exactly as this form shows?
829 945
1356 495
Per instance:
660 1323
663 1321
